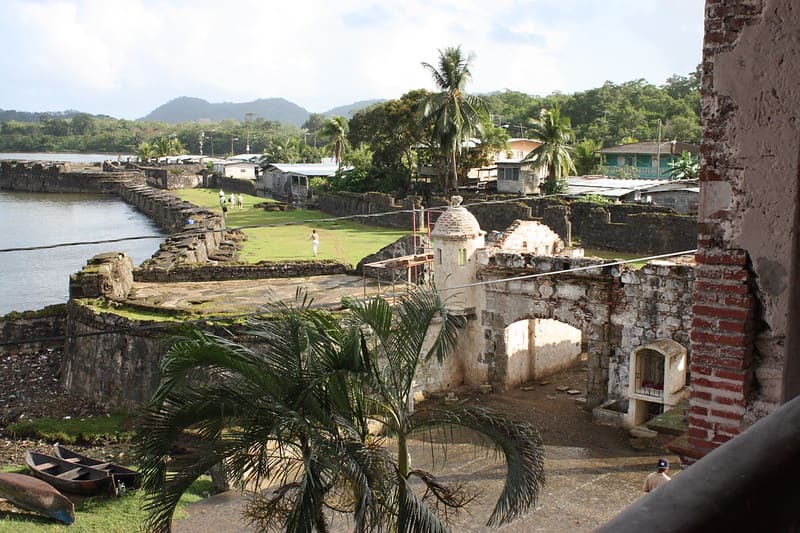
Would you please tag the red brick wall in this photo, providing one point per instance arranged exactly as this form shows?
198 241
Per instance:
722 360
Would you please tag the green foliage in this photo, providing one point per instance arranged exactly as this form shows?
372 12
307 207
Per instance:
295 409
624 172
595 199
587 160
686 167
555 134
336 129
74 430
453 115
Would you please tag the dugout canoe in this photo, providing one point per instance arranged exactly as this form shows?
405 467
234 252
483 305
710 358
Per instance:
68 477
35 495
130 478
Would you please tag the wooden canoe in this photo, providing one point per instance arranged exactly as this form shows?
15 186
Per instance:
67 477
32 494
130 478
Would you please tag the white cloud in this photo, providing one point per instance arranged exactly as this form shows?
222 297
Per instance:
125 57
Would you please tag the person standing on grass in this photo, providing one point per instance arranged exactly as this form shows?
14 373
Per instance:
221 198
657 478
314 241
241 201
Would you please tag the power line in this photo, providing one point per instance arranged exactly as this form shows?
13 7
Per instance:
272 225
224 318
569 270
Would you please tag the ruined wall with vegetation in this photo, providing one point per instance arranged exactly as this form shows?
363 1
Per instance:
33 330
615 309
263 270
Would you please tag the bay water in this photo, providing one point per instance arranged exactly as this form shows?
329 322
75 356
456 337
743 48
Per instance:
32 279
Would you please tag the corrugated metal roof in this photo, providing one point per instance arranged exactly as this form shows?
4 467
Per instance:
308 169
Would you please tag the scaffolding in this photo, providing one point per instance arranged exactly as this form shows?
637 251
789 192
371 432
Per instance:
418 266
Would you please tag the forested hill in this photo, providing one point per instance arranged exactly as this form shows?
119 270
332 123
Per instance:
187 109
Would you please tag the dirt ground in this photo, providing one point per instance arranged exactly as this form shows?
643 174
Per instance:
593 472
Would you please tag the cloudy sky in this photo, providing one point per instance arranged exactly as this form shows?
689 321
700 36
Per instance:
126 57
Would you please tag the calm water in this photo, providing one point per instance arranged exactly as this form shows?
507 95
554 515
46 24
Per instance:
34 279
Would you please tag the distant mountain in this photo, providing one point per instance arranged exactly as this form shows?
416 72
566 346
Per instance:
347 111
187 109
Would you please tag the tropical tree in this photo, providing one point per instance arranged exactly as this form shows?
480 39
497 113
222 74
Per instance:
586 158
336 129
281 413
401 340
295 410
686 167
167 145
553 154
454 114
146 151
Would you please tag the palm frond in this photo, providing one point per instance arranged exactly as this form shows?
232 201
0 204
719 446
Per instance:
520 444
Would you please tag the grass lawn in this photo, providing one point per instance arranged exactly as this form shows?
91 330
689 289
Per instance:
617 256
343 240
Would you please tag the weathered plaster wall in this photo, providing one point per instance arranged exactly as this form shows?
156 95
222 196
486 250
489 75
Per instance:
615 310
557 346
748 216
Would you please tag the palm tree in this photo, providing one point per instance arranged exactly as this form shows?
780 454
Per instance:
284 412
586 157
146 151
401 339
296 411
336 130
455 115
555 134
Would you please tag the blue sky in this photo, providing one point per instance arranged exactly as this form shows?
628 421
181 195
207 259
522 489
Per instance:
126 57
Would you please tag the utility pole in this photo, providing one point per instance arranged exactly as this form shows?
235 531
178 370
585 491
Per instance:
233 139
658 152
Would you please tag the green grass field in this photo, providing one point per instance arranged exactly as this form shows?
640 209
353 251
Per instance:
343 240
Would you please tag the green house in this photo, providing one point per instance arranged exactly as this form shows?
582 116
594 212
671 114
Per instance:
648 159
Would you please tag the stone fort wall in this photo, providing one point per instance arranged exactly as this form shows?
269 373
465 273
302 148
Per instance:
631 228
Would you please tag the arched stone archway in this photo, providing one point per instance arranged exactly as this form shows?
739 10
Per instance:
580 302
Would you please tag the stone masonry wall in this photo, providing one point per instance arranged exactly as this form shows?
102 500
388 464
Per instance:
616 310
208 272
33 330
748 233
628 228
108 275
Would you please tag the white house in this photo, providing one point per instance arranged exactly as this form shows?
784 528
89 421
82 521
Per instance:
519 177
245 170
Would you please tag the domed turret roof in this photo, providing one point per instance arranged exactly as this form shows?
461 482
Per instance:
456 222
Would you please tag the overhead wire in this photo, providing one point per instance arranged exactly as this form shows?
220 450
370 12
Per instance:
312 221
227 318
257 226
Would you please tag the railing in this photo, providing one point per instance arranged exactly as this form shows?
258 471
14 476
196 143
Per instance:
747 484
644 172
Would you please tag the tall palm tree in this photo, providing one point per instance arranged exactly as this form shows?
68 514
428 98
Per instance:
336 130
402 338
296 411
455 115
146 151
283 412
555 134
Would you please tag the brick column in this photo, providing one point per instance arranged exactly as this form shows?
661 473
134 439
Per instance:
722 347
